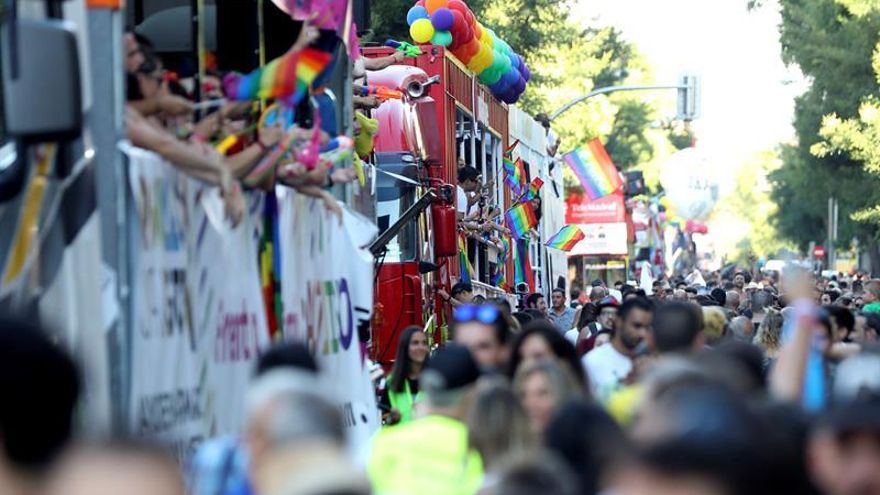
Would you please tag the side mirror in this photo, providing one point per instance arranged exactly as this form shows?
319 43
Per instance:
40 80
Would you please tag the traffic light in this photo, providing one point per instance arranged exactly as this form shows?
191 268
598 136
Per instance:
688 98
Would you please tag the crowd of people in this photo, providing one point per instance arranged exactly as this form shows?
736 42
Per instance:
768 392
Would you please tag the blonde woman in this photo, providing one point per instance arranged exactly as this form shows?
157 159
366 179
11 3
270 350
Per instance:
769 336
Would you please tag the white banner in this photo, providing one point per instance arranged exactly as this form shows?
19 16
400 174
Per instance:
327 293
198 314
602 238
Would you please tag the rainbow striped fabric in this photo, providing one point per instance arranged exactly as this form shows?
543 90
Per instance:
466 268
513 175
520 219
522 272
498 279
594 168
287 77
566 238
534 188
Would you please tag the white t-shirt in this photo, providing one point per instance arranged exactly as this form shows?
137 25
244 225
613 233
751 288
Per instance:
461 199
607 368
572 335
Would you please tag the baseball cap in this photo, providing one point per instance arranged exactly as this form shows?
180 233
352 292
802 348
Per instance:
608 302
451 368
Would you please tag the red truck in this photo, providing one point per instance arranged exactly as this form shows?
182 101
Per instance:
445 118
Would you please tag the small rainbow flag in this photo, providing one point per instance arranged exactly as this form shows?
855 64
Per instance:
521 219
534 188
566 238
466 269
499 280
513 175
595 170
287 77
522 272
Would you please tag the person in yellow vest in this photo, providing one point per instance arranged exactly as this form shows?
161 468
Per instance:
403 391
431 455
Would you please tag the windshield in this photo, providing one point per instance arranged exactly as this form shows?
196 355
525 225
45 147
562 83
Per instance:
393 197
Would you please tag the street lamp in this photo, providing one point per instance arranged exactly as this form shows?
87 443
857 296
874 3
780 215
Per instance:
688 97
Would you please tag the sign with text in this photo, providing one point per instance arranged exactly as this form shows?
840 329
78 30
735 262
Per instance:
607 209
602 238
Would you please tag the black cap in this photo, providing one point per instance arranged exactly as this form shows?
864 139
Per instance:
454 366
859 415
598 283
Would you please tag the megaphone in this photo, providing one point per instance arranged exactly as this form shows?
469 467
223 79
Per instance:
417 89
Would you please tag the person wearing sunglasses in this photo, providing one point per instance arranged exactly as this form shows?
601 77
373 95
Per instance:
485 332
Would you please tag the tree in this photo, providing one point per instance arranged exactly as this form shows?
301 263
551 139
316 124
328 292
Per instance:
745 210
833 48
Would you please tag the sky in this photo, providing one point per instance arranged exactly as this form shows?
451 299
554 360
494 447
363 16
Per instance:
747 92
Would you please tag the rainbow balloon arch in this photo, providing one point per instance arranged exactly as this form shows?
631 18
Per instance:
450 23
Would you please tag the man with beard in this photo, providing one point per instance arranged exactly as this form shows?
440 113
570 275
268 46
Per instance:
609 365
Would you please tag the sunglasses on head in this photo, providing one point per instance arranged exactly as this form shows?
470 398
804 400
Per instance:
483 313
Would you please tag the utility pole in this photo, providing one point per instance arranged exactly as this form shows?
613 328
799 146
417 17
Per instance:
833 217
688 96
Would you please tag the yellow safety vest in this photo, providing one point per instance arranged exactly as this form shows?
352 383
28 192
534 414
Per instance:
427 456
404 402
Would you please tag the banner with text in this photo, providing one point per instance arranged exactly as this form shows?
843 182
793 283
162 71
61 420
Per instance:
198 315
327 294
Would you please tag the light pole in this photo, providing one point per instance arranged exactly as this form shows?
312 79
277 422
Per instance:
688 96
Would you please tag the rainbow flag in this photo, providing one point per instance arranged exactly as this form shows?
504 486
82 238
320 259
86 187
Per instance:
534 188
521 219
566 238
466 268
287 77
522 265
594 169
513 176
499 280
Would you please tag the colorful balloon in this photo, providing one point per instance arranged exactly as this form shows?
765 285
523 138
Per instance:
421 31
442 19
415 13
433 5
442 38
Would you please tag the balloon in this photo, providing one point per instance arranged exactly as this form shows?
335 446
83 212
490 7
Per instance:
416 13
489 76
457 5
421 31
478 31
511 77
433 5
442 19
526 72
465 36
458 21
520 85
442 38
421 3
469 16
499 87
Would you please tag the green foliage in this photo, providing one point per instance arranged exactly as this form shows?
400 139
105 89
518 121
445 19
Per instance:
833 48
745 210
628 143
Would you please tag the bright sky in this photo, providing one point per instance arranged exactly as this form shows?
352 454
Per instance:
747 92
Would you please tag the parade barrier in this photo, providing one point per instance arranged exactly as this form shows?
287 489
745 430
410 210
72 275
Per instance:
199 319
